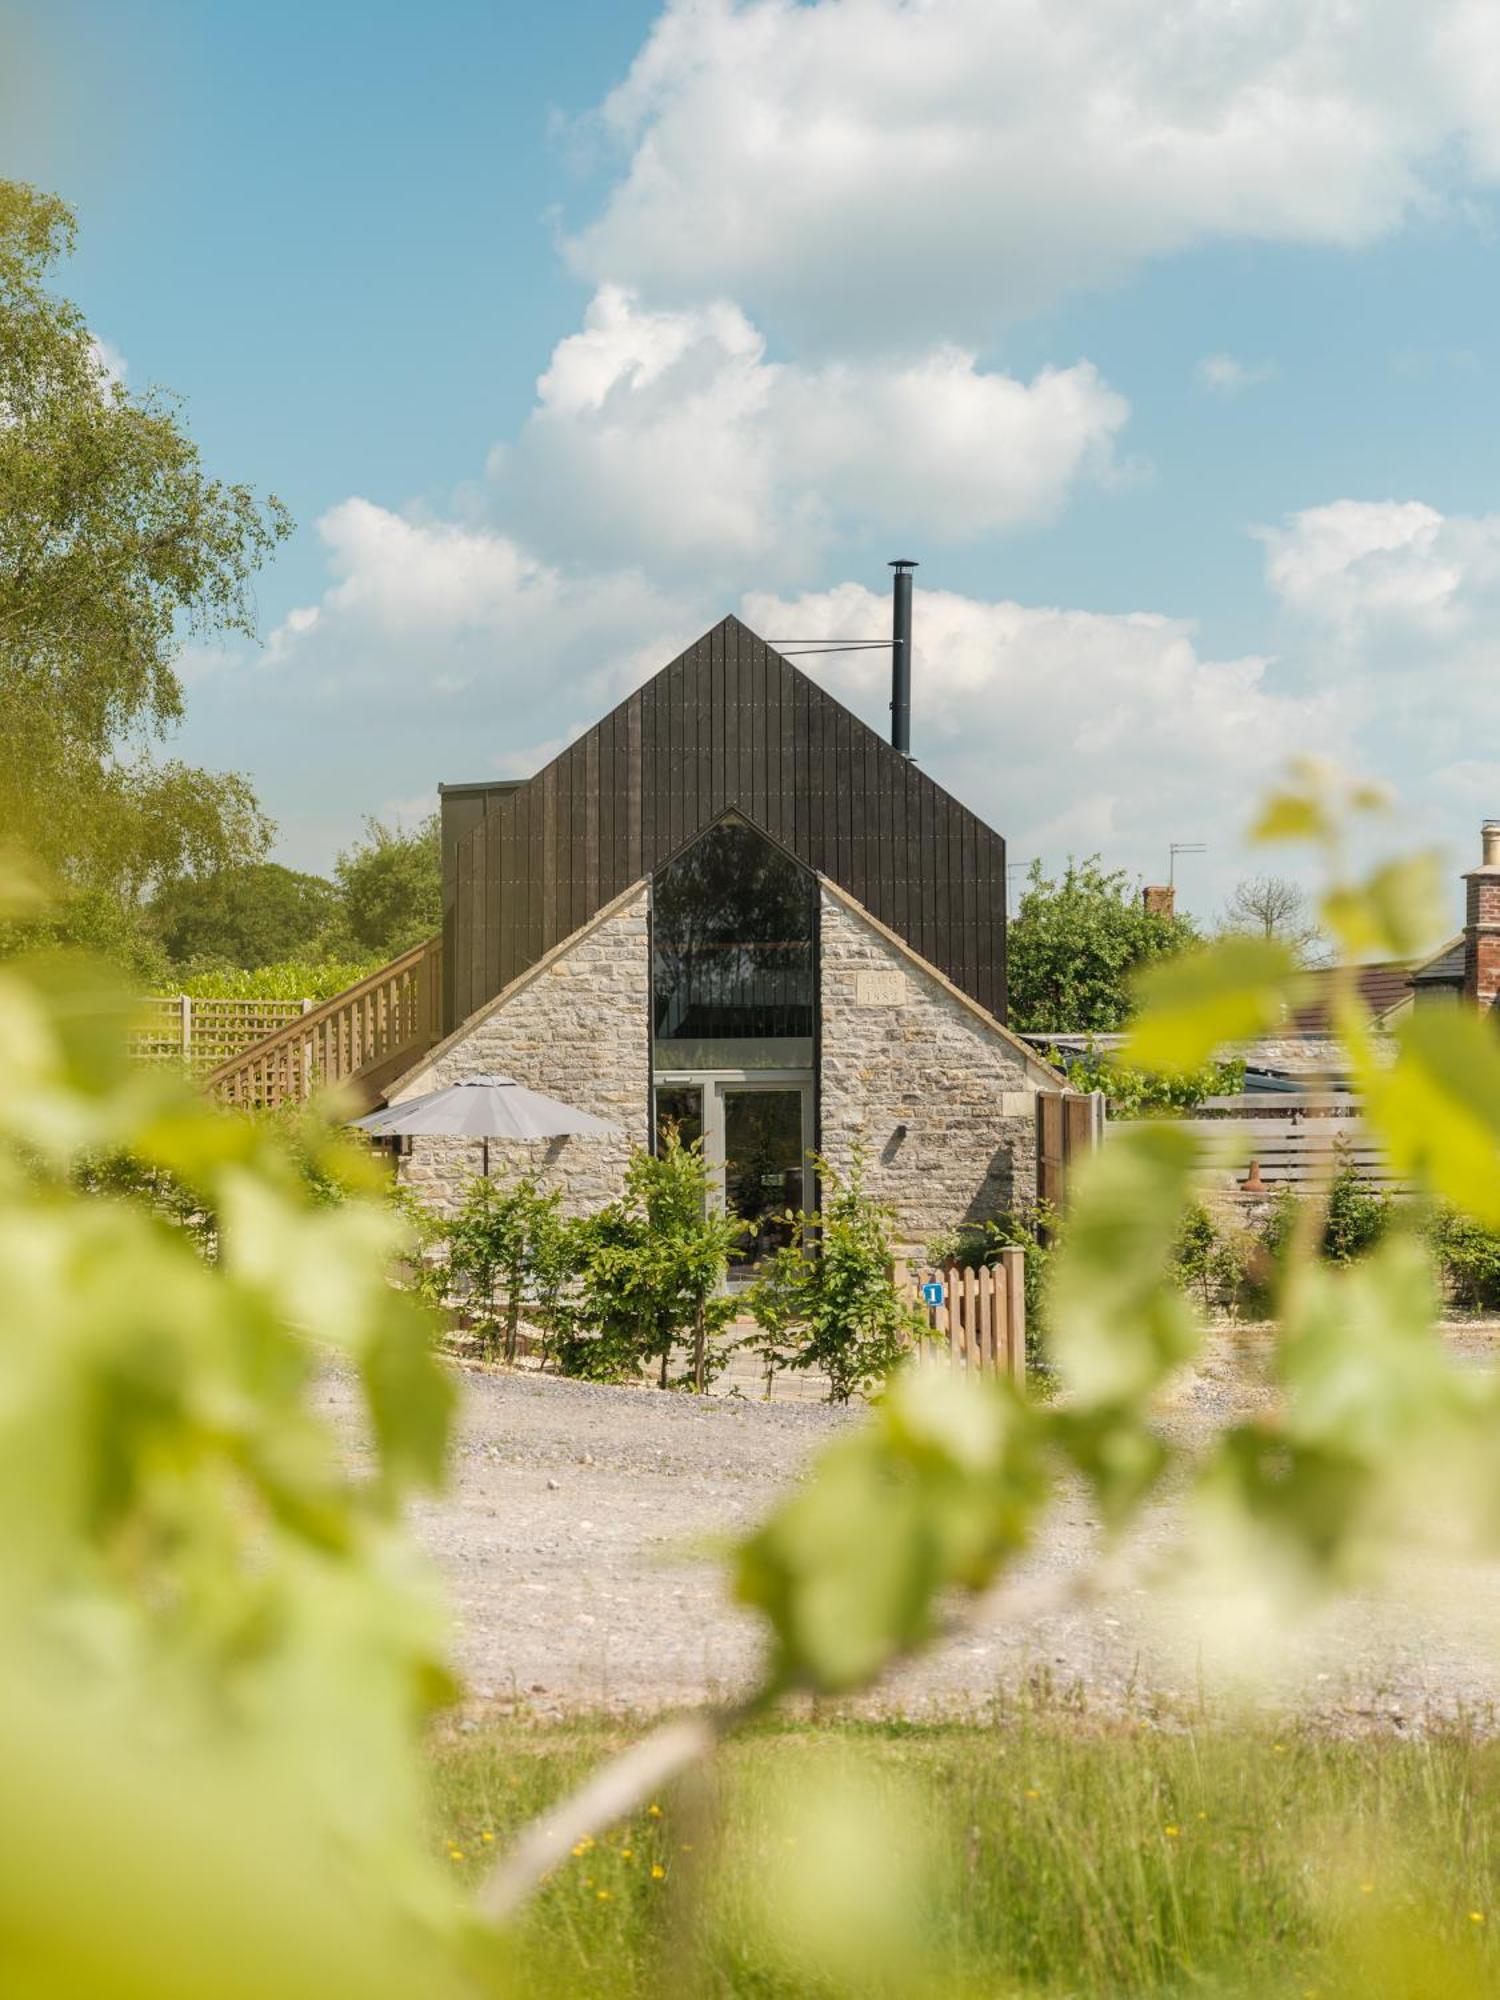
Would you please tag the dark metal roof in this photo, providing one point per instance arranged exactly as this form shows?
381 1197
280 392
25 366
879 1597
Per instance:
730 725
1445 969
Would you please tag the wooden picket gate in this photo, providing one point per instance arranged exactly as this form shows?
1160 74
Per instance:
981 1324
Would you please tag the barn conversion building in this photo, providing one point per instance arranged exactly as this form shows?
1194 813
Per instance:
731 908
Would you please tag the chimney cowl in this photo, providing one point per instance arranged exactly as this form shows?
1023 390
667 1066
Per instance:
1490 840
901 585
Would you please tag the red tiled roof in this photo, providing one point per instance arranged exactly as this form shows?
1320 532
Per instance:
1381 987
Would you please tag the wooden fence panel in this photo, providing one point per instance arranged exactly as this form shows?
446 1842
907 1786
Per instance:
1069 1125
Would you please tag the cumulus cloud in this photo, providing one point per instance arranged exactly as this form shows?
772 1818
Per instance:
432 615
1073 730
1380 574
881 171
1398 605
110 362
670 436
1226 375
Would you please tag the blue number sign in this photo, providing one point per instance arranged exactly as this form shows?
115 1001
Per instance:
933 1292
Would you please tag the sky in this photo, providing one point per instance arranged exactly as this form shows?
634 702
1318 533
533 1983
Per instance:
1165 338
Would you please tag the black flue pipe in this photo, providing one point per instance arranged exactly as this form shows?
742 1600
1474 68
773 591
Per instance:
901 655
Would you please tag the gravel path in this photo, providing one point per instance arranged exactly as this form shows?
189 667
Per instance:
570 1541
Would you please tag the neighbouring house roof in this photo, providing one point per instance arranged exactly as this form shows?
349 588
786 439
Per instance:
730 725
1385 989
1444 968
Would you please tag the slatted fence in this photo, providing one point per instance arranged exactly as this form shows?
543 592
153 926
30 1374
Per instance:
201 1034
981 1324
1300 1142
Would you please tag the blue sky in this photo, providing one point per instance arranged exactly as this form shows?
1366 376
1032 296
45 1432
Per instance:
1169 349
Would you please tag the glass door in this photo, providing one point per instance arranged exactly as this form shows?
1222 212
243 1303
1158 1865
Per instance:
765 1147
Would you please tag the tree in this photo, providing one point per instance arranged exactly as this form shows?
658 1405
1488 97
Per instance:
252 916
1075 945
115 545
391 883
1272 907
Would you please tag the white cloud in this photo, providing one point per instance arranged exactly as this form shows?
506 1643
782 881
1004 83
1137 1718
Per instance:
1392 580
890 172
1072 730
424 613
110 362
1225 375
669 436
1398 606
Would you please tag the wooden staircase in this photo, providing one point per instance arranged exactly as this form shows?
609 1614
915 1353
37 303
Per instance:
361 1040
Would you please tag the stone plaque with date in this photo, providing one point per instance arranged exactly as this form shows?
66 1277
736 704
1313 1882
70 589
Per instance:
879 989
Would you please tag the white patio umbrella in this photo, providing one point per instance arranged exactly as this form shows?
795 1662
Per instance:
485 1108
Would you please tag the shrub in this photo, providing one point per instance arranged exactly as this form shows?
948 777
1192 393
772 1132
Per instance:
650 1273
1221 1262
506 1239
1468 1258
1136 1093
1357 1218
291 979
829 1299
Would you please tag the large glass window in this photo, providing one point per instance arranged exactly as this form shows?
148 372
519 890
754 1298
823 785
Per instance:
732 924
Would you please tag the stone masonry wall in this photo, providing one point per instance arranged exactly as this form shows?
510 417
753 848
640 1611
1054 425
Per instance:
900 1048
577 1029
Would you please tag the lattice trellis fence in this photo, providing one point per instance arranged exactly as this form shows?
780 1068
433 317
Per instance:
202 1034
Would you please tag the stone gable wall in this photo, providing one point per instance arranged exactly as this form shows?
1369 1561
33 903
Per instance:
898 1048
577 1030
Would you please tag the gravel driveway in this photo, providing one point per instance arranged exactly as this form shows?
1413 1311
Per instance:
569 1543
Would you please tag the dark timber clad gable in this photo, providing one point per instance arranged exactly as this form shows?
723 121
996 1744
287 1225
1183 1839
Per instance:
729 724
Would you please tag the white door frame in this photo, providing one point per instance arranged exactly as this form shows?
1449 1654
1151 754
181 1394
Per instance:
713 1084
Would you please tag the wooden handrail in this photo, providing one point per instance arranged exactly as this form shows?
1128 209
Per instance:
390 1013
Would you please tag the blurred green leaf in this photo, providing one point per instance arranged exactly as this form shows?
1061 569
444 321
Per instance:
1190 1007
1397 913
1437 1107
1120 1324
1290 816
937 1490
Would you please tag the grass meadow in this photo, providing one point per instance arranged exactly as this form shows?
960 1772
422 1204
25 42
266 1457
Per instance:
1042 1854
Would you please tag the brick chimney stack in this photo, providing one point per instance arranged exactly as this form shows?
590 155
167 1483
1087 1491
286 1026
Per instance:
1482 925
1161 901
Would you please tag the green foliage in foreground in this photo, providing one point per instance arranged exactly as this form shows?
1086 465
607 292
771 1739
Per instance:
214 1664
1046 1853
213 1654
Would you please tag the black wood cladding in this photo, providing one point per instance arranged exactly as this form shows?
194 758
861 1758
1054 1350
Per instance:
729 725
